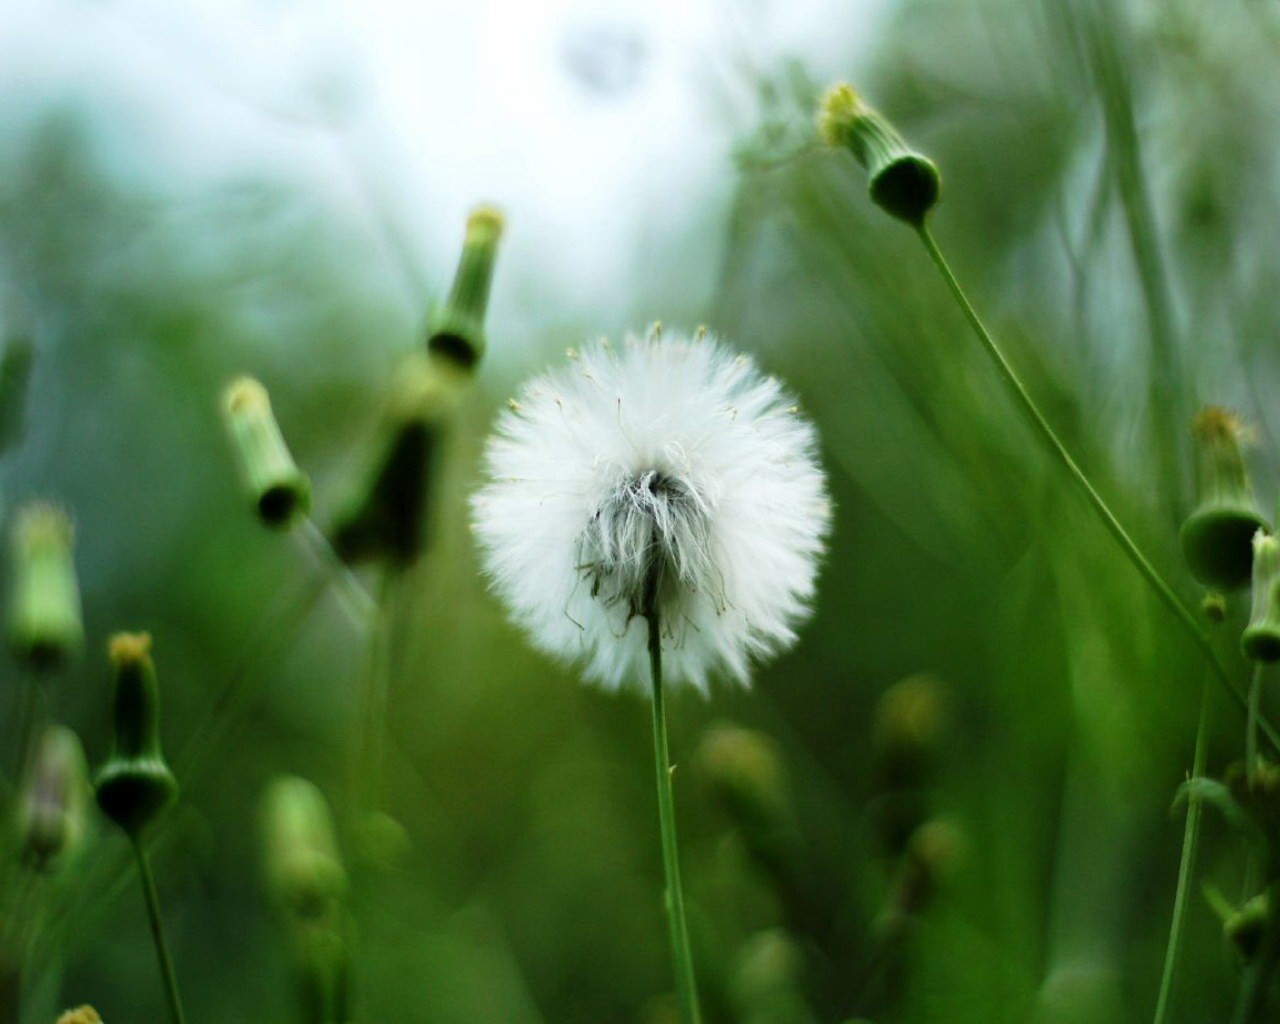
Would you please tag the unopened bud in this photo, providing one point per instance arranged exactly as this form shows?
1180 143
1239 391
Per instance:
135 785
82 1015
388 517
52 802
304 869
767 981
1216 536
45 628
457 329
1214 606
902 182
1244 928
1261 639
277 489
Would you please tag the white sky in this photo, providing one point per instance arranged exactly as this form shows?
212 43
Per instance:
600 128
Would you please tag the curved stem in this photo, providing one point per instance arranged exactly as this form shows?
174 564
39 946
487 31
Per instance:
1049 436
1186 864
686 988
157 933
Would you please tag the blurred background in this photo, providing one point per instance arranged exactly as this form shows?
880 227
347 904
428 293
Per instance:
191 192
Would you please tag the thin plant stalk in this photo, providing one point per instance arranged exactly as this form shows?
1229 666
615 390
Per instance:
1251 721
1149 573
682 954
356 601
157 933
28 712
374 696
1187 860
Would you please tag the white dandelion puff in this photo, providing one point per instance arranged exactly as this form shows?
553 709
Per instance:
665 473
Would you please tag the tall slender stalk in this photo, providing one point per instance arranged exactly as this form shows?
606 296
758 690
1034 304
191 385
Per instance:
157 933
1251 721
1049 436
682 955
374 692
1186 863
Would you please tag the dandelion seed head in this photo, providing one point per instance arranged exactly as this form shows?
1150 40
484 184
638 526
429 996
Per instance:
666 471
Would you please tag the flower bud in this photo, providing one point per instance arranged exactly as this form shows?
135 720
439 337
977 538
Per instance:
277 489
45 629
83 1015
304 870
902 182
52 801
1261 639
767 981
1214 606
745 768
387 519
135 785
1217 535
457 329
1243 929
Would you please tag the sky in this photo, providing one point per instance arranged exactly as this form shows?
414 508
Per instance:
603 130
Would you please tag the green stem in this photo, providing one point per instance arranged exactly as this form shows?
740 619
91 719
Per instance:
1251 721
157 933
351 592
374 695
1162 589
686 988
1186 864
28 714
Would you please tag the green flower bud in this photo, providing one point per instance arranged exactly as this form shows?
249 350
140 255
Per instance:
1243 929
304 869
902 182
277 489
45 629
1214 606
767 981
456 330
135 785
1261 639
1217 535
83 1015
387 519
51 807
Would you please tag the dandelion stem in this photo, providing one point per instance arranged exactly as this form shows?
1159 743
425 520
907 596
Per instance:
1186 863
157 932
374 694
1251 721
357 602
1149 573
686 988
30 698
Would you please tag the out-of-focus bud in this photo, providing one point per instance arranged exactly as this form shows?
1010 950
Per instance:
135 785
1243 929
932 856
276 488
304 869
766 984
910 723
1261 639
1214 606
45 628
15 373
1217 535
456 331
388 517
745 769
51 807
82 1015
902 182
